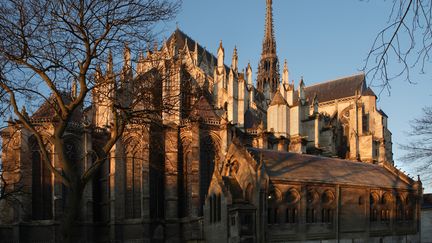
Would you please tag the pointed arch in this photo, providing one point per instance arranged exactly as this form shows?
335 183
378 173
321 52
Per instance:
42 182
133 158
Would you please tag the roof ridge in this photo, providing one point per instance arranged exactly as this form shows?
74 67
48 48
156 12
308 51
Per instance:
336 79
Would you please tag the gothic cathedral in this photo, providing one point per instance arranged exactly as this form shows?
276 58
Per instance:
243 160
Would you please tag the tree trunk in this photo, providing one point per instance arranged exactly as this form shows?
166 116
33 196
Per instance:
68 227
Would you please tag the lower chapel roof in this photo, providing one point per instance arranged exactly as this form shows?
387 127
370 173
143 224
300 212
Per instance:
295 167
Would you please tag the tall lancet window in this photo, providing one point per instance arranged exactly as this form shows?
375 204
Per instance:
133 184
42 198
207 162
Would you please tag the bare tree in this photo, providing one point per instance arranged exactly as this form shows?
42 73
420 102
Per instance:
419 149
50 48
403 45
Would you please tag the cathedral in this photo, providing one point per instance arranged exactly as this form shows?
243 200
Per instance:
243 160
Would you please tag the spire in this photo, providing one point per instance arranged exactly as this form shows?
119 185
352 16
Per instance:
285 76
268 68
269 39
234 64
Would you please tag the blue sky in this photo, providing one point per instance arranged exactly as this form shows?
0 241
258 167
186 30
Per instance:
322 40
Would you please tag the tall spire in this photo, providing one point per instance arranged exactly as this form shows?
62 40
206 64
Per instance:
268 68
269 43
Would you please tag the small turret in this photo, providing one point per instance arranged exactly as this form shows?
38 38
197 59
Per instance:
302 95
234 64
285 75
249 76
195 54
220 56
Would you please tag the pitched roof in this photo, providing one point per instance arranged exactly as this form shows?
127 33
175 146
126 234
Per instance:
234 187
278 99
382 113
48 108
336 89
368 92
251 120
308 168
204 55
204 110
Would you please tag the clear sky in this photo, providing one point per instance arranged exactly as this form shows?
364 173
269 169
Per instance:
322 40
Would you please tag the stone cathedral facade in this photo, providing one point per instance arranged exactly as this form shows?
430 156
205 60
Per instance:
243 160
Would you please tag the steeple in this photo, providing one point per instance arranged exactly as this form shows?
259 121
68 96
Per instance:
268 68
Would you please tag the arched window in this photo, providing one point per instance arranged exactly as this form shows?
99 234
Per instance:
133 182
327 206
410 204
207 163
374 207
273 200
386 202
42 198
399 208
292 199
311 210
215 208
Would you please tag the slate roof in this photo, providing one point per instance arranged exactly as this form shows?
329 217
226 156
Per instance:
336 89
382 113
251 120
308 168
204 109
234 187
203 53
47 111
278 99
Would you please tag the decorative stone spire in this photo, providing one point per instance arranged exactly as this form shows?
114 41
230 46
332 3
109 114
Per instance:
268 68
285 76
234 64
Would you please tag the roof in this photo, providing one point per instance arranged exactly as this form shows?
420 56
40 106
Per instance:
368 92
181 37
336 89
278 99
251 120
308 168
204 110
47 109
234 188
427 201
382 113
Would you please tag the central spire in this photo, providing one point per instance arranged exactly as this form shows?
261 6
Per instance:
268 68
269 42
